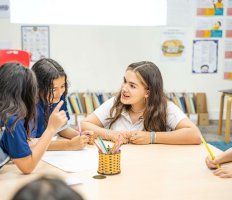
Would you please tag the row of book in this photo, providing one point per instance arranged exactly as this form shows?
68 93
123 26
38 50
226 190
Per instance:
86 103
194 105
185 101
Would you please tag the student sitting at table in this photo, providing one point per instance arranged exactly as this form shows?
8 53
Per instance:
223 171
18 93
53 86
141 113
47 188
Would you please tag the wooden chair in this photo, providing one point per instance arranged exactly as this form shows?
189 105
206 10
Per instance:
12 55
228 94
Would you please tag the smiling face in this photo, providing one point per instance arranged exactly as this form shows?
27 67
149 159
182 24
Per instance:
58 89
133 91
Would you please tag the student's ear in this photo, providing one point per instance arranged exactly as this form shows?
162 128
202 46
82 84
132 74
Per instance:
147 93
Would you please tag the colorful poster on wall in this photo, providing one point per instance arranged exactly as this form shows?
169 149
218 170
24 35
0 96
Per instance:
228 28
173 42
209 27
35 39
228 49
210 7
228 60
228 69
229 8
205 56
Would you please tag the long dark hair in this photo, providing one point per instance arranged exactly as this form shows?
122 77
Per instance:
18 89
155 112
46 71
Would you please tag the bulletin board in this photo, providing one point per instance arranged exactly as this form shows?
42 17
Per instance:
212 20
35 39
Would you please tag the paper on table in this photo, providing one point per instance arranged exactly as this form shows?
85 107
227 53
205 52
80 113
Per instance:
73 161
71 181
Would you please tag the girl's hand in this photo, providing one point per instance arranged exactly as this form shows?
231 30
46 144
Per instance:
114 137
78 142
140 137
224 172
91 136
211 164
58 118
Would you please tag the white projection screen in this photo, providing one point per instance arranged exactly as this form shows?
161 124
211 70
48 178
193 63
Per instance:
90 12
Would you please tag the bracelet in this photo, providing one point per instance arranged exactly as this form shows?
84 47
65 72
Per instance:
152 137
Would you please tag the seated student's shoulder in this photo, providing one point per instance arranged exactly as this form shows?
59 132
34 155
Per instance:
171 105
103 111
14 125
13 119
173 109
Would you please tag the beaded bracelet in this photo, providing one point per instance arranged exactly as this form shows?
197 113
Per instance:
152 137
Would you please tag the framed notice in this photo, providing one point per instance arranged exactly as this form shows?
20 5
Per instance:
35 39
205 56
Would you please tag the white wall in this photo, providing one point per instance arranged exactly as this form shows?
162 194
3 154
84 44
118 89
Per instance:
95 58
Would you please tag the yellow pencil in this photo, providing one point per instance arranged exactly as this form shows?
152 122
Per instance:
208 149
114 146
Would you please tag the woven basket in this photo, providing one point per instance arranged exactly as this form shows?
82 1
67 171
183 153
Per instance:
109 164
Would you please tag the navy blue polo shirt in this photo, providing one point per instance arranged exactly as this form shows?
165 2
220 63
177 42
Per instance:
14 142
40 126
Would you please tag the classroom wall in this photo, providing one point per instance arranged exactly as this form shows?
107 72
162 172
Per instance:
95 58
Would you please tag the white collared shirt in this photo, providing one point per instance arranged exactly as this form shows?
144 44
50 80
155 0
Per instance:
174 116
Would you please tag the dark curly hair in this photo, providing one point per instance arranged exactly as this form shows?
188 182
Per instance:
46 71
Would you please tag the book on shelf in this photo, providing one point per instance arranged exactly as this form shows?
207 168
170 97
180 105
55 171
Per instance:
187 103
194 105
95 100
100 97
181 102
74 104
175 101
77 98
192 102
88 103
82 102
70 111
69 105
85 103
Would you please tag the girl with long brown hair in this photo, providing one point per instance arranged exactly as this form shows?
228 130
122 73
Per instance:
141 113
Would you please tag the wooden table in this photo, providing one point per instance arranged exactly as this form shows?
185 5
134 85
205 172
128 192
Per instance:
147 172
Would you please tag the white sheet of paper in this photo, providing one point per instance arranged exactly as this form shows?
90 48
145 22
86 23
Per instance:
73 161
74 181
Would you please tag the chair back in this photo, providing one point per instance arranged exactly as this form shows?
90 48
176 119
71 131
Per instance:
12 55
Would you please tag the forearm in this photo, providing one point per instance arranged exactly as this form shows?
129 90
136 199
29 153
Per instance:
96 129
58 145
27 164
42 145
68 133
180 136
225 156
